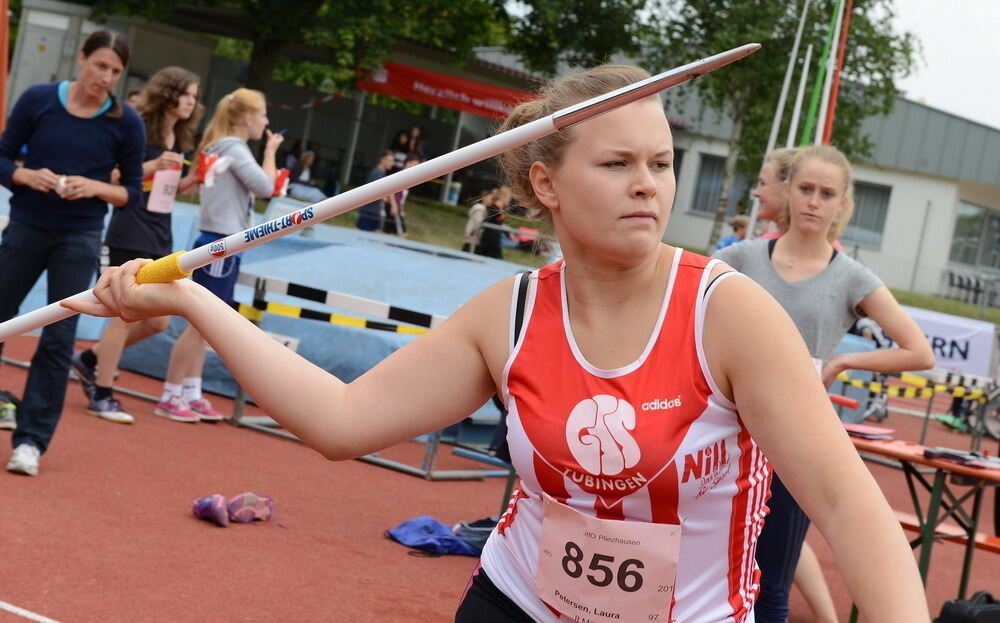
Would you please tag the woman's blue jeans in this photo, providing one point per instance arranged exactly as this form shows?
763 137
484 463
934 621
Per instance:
70 259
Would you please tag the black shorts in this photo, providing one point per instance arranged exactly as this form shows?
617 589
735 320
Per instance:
117 256
485 603
393 225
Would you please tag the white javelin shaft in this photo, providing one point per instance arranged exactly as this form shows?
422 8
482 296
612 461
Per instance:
407 178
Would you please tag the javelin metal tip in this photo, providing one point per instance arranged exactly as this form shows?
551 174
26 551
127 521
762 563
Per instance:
650 86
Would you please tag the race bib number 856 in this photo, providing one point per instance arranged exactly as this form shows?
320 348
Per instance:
595 570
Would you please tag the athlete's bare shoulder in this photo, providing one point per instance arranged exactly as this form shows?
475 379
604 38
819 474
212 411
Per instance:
720 268
485 320
740 316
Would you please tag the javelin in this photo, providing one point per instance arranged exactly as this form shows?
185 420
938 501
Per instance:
182 263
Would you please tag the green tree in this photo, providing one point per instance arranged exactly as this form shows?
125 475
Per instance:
340 37
349 37
747 91
577 32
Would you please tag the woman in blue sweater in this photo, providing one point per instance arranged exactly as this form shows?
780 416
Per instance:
76 133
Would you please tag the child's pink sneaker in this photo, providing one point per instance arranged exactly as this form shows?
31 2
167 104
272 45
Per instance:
176 409
203 408
249 507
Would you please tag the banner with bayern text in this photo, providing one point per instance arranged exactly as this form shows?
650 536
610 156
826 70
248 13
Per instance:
960 344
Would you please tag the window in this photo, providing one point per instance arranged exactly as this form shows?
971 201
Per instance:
976 240
968 230
871 205
706 192
678 161
989 253
739 196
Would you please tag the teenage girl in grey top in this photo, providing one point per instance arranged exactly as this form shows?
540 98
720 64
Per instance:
824 292
226 208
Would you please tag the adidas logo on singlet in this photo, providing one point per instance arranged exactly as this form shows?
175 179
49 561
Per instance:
661 404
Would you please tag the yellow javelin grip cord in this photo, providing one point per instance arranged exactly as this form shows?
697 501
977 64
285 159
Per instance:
163 270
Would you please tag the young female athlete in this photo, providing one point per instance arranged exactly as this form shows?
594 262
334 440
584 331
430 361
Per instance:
824 292
226 208
170 109
638 393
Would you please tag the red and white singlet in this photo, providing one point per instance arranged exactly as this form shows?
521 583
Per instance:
654 441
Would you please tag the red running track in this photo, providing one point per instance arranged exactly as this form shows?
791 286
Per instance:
105 533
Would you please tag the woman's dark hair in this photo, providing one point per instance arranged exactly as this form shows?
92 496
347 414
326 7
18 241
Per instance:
106 39
162 93
400 142
417 146
117 44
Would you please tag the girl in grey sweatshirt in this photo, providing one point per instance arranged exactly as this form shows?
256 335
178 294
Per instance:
226 208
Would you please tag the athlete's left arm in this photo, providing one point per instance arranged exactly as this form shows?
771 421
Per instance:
758 359
914 353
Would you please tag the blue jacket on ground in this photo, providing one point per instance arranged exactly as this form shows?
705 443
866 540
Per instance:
69 145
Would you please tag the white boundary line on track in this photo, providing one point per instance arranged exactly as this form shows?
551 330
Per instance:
27 614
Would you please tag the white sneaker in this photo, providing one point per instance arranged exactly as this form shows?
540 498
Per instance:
24 460
110 409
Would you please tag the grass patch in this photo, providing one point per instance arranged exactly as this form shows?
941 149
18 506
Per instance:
947 306
440 224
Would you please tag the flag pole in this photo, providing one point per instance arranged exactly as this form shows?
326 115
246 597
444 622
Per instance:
828 128
807 130
831 63
779 110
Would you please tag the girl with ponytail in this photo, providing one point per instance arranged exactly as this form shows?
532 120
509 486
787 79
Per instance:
226 208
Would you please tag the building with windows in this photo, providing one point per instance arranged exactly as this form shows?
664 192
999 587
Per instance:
927 204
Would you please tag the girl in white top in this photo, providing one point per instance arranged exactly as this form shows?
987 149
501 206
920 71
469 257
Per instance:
608 186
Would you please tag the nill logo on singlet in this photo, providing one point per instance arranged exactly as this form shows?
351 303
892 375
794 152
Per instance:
708 466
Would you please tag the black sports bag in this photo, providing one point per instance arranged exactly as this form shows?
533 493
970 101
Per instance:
981 608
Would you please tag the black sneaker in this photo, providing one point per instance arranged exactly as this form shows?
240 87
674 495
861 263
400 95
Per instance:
86 374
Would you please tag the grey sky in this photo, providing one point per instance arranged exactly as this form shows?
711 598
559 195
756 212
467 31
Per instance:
960 72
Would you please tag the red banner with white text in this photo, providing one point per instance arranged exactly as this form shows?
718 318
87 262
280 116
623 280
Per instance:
437 89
